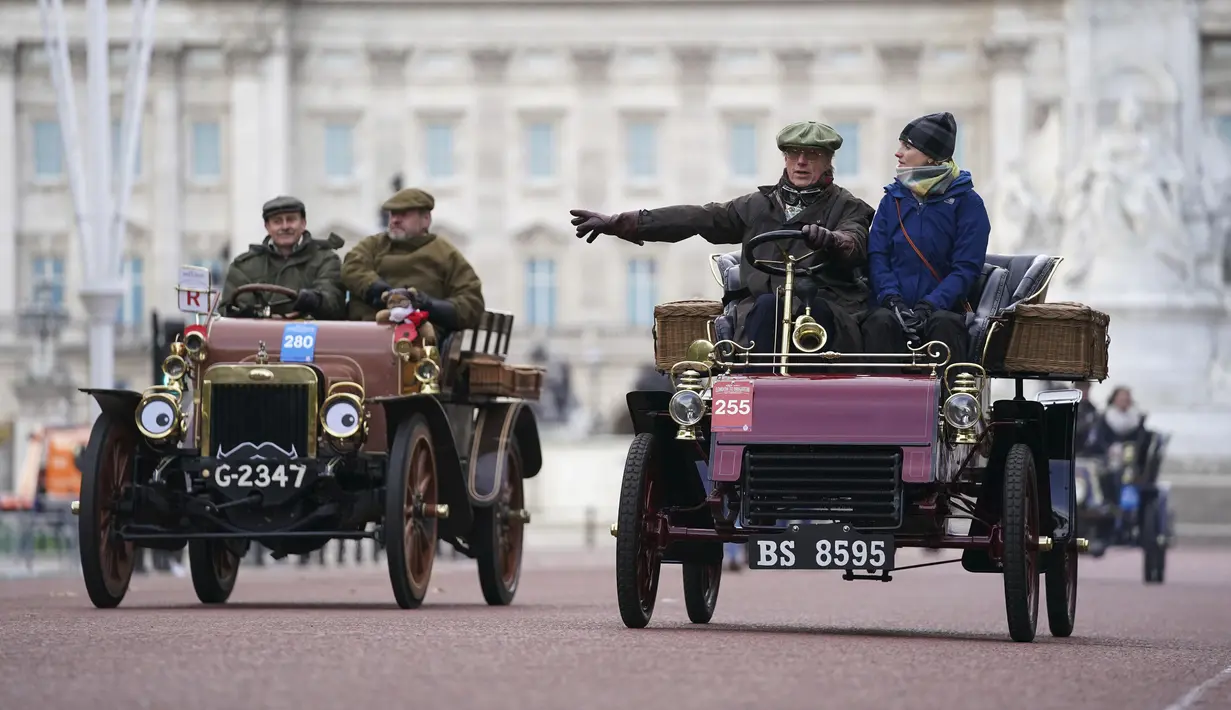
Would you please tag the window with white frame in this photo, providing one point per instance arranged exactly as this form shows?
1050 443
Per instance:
132 305
540 149
743 147
641 149
117 157
49 271
846 160
206 150
642 291
339 151
541 292
438 149
48 150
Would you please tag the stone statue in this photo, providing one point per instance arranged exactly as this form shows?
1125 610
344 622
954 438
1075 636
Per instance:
1216 197
1024 221
1122 214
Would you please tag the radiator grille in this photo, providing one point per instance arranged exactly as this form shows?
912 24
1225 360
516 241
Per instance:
859 485
260 414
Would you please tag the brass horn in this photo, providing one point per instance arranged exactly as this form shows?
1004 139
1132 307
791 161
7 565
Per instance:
808 335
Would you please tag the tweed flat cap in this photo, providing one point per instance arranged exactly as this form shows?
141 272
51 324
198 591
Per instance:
282 204
809 135
412 198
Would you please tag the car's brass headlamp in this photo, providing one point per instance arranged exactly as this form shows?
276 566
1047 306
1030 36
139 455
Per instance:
158 415
962 410
343 418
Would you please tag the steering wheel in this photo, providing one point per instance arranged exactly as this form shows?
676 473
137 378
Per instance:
778 268
290 293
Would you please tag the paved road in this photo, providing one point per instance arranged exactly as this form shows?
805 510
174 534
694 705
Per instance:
332 638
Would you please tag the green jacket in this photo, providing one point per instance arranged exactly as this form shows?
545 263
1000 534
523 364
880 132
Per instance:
428 263
313 265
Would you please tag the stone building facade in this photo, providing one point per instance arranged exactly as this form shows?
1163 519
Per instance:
510 113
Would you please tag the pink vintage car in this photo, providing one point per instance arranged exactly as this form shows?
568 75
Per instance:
819 460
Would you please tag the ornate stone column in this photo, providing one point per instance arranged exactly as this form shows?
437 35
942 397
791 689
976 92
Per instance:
9 166
492 135
593 67
694 132
167 173
246 147
1006 57
900 88
275 72
387 68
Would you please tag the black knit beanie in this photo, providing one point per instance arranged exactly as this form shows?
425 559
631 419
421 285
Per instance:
934 135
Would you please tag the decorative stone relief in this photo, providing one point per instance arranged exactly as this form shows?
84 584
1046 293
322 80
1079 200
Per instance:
796 64
491 65
1007 54
900 59
695 64
593 64
388 65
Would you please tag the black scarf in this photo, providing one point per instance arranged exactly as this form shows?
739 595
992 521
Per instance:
796 199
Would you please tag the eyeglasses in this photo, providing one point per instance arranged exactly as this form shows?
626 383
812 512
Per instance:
809 155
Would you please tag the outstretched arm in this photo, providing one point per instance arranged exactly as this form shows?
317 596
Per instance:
716 222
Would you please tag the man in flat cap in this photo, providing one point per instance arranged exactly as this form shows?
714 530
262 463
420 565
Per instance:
834 223
288 256
408 255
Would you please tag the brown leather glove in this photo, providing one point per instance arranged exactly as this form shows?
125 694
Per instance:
830 243
591 224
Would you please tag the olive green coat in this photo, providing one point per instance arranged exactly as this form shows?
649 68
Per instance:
312 265
428 263
738 220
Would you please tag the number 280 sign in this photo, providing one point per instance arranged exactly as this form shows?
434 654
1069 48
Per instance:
731 405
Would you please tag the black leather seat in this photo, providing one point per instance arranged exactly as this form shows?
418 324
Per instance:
1027 273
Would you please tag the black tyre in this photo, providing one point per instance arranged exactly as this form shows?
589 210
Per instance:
410 534
497 539
1154 554
107 468
701 583
1020 523
214 567
638 558
1061 586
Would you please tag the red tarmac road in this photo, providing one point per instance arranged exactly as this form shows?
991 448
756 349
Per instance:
333 638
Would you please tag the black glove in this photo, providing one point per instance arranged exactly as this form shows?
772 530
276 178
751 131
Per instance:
440 312
924 310
591 224
894 303
374 293
819 238
308 301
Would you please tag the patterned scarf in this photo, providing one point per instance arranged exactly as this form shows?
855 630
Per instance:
929 180
795 199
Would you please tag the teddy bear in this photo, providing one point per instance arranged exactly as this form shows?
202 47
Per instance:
399 308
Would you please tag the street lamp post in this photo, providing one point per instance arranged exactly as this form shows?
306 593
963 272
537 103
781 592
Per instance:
100 210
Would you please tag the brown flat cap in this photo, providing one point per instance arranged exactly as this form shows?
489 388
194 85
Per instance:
282 204
412 198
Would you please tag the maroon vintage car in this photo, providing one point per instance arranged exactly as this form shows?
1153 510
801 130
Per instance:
818 460
293 432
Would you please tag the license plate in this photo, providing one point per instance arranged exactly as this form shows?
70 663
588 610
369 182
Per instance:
828 546
261 476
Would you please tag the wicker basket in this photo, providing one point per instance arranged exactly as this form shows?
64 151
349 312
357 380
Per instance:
677 324
491 377
1062 340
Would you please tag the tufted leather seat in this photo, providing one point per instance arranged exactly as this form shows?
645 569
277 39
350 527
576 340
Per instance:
1027 273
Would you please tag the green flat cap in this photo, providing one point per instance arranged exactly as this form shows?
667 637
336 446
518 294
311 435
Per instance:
282 204
412 198
809 135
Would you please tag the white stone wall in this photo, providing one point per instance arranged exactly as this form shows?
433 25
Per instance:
273 74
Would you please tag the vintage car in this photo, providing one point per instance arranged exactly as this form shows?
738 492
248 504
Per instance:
292 432
1121 501
819 460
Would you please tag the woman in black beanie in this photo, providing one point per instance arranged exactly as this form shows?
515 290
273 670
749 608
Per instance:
926 246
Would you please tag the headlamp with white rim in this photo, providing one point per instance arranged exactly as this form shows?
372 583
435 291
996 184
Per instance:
159 417
961 411
686 407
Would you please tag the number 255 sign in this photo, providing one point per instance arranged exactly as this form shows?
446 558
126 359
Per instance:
731 403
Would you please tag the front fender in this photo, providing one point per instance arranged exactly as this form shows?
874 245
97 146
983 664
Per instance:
450 480
118 403
498 425
648 409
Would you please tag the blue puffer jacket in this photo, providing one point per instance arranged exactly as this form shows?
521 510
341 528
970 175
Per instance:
950 229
